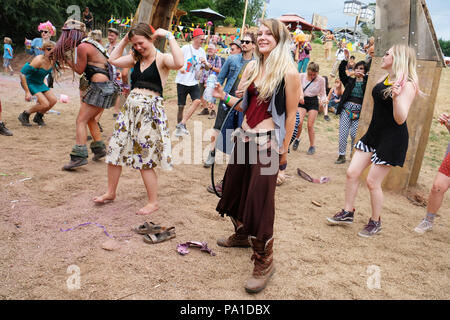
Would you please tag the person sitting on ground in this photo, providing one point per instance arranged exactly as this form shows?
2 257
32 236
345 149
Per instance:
440 186
32 78
334 96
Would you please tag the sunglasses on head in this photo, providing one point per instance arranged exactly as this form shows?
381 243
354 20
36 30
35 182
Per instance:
246 41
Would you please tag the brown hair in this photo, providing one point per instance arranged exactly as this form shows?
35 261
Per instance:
313 67
251 35
141 29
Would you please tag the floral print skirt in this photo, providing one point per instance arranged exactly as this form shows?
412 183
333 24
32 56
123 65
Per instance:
141 137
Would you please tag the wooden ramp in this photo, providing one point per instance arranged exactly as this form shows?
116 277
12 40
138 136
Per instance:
407 22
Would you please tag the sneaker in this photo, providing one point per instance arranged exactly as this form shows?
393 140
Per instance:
372 228
24 119
212 115
4 131
340 160
424 226
296 143
204 112
311 150
209 162
218 186
39 119
342 217
181 130
327 118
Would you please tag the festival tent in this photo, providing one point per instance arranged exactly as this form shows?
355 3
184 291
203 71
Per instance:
293 20
347 33
207 14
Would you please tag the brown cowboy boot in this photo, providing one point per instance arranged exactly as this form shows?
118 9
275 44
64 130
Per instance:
263 265
238 239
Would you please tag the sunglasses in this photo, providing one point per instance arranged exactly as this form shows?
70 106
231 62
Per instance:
246 41
43 31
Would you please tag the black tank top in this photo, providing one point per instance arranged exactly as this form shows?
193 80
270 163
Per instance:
385 135
149 79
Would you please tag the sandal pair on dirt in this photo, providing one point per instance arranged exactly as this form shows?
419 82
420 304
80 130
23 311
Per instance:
154 233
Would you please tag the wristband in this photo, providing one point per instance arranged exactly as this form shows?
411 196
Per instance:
169 36
228 98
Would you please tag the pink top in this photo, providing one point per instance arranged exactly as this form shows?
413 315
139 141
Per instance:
317 88
302 54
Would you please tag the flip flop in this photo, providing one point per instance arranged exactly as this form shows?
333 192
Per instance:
161 236
149 228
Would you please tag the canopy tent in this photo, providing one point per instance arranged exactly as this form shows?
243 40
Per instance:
293 20
207 13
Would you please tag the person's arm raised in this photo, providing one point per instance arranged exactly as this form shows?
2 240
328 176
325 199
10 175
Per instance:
175 60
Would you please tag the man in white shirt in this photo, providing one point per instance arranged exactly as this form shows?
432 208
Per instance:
186 80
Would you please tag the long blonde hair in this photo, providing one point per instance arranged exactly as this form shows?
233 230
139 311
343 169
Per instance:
277 63
404 67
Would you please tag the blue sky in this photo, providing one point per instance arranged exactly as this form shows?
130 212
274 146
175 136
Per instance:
333 10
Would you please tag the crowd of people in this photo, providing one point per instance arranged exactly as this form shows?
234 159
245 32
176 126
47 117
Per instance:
266 85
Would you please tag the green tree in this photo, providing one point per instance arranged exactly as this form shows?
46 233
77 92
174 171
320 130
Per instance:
445 46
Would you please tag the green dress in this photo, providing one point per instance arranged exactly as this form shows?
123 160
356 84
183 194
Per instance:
35 78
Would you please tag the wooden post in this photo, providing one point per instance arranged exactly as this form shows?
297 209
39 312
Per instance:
245 17
406 22
158 13
264 10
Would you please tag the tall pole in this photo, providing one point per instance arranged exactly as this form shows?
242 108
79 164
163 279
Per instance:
245 16
264 10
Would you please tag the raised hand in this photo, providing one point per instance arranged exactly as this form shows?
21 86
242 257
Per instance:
218 92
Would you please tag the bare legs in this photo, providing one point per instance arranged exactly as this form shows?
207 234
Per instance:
151 185
86 117
46 101
440 186
312 115
194 106
377 173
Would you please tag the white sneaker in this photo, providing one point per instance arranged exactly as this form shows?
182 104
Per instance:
181 130
424 226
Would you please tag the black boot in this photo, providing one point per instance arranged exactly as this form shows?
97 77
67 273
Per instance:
24 119
4 131
98 148
39 119
75 162
340 160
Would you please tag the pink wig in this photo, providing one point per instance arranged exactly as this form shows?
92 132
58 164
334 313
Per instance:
47 26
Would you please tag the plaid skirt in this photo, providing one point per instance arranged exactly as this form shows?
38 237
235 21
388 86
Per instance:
141 137
101 94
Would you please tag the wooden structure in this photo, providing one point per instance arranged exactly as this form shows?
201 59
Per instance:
158 13
407 22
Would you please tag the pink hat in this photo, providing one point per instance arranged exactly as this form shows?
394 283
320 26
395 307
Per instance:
198 32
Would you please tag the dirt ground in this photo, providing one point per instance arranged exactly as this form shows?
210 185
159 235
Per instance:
313 260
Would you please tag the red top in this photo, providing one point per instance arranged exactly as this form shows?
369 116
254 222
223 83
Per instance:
257 110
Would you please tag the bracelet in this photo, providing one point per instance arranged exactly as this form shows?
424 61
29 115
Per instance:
169 36
227 99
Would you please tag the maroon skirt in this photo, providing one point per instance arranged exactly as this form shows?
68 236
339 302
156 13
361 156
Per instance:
249 189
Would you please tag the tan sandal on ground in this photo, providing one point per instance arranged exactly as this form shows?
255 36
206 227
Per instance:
149 228
161 236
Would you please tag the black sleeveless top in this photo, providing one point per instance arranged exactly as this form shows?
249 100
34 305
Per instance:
389 139
149 79
91 70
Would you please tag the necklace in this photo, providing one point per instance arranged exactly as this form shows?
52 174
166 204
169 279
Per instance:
387 83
